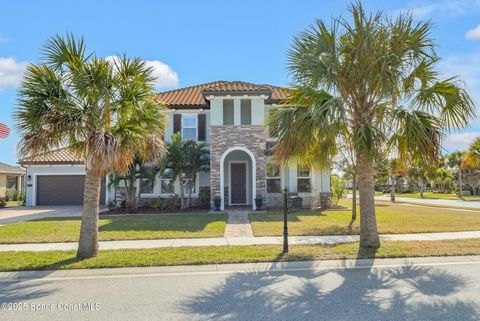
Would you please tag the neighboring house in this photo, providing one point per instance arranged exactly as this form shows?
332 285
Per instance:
230 116
11 179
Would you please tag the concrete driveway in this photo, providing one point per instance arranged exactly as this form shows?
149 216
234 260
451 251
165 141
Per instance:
26 213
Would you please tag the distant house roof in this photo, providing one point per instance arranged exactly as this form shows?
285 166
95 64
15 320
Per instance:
194 97
9 169
57 156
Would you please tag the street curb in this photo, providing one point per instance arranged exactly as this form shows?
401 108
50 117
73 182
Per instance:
266 267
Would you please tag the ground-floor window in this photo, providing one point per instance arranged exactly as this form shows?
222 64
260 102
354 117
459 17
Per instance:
146 186
167 182
12 182
274 183
304 184
188 185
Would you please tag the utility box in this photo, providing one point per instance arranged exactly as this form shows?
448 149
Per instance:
296 202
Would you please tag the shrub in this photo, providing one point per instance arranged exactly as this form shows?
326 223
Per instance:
3 202
339 188
124 204
160 204
204 196
112 204
172 202
11 195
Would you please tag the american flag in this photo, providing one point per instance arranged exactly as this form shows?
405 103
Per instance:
4 130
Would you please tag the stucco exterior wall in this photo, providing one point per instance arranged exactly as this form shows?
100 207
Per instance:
3 184
34 170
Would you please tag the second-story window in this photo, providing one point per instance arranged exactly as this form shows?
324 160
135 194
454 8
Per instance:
246 111
228 114
189 127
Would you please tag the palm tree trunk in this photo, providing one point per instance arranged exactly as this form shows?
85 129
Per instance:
368 222
354 196
182 194
190 184
460 192
421 188
392 189
88 244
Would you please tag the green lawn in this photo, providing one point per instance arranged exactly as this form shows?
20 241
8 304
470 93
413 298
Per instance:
14 261
391 218
122 227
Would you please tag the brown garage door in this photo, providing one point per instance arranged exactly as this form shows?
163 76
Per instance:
63 190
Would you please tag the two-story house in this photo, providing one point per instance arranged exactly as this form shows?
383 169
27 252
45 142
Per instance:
231 117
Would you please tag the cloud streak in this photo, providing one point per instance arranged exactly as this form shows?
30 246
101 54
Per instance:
426 9
473 34
165 77
11 72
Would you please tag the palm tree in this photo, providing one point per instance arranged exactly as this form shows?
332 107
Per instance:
373 78
137 170
176 160
454 161
102 110
396 168
198 161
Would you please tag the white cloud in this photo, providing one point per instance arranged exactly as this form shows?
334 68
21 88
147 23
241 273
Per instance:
423 11
459 141
426 9
467 68
164 75
11 72
473 34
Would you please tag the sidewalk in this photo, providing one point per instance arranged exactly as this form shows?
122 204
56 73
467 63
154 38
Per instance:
473 205
222 241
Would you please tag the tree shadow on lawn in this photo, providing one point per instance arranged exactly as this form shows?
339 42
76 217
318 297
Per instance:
359 293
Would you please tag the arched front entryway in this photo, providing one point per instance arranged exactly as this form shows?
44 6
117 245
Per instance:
238 165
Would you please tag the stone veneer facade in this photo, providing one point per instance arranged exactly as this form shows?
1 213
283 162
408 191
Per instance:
251 137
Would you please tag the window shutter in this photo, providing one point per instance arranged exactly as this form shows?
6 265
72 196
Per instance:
177 123
202 124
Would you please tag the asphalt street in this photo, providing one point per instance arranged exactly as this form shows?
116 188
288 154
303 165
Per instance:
421 289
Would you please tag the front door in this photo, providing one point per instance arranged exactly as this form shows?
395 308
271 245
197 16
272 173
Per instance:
238 183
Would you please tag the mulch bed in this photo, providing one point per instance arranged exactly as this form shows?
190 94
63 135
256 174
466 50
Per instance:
152 210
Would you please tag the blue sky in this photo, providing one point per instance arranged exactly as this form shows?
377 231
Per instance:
190 42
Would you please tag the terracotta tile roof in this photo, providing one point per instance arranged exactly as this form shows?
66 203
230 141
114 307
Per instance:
57 156
194 96
5 168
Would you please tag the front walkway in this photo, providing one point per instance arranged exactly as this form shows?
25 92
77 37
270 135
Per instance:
225 241
238 223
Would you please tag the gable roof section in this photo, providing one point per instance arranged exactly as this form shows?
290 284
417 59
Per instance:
9 169
194 97
57 156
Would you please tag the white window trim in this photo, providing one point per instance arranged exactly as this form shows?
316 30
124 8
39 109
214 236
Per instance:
192 115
